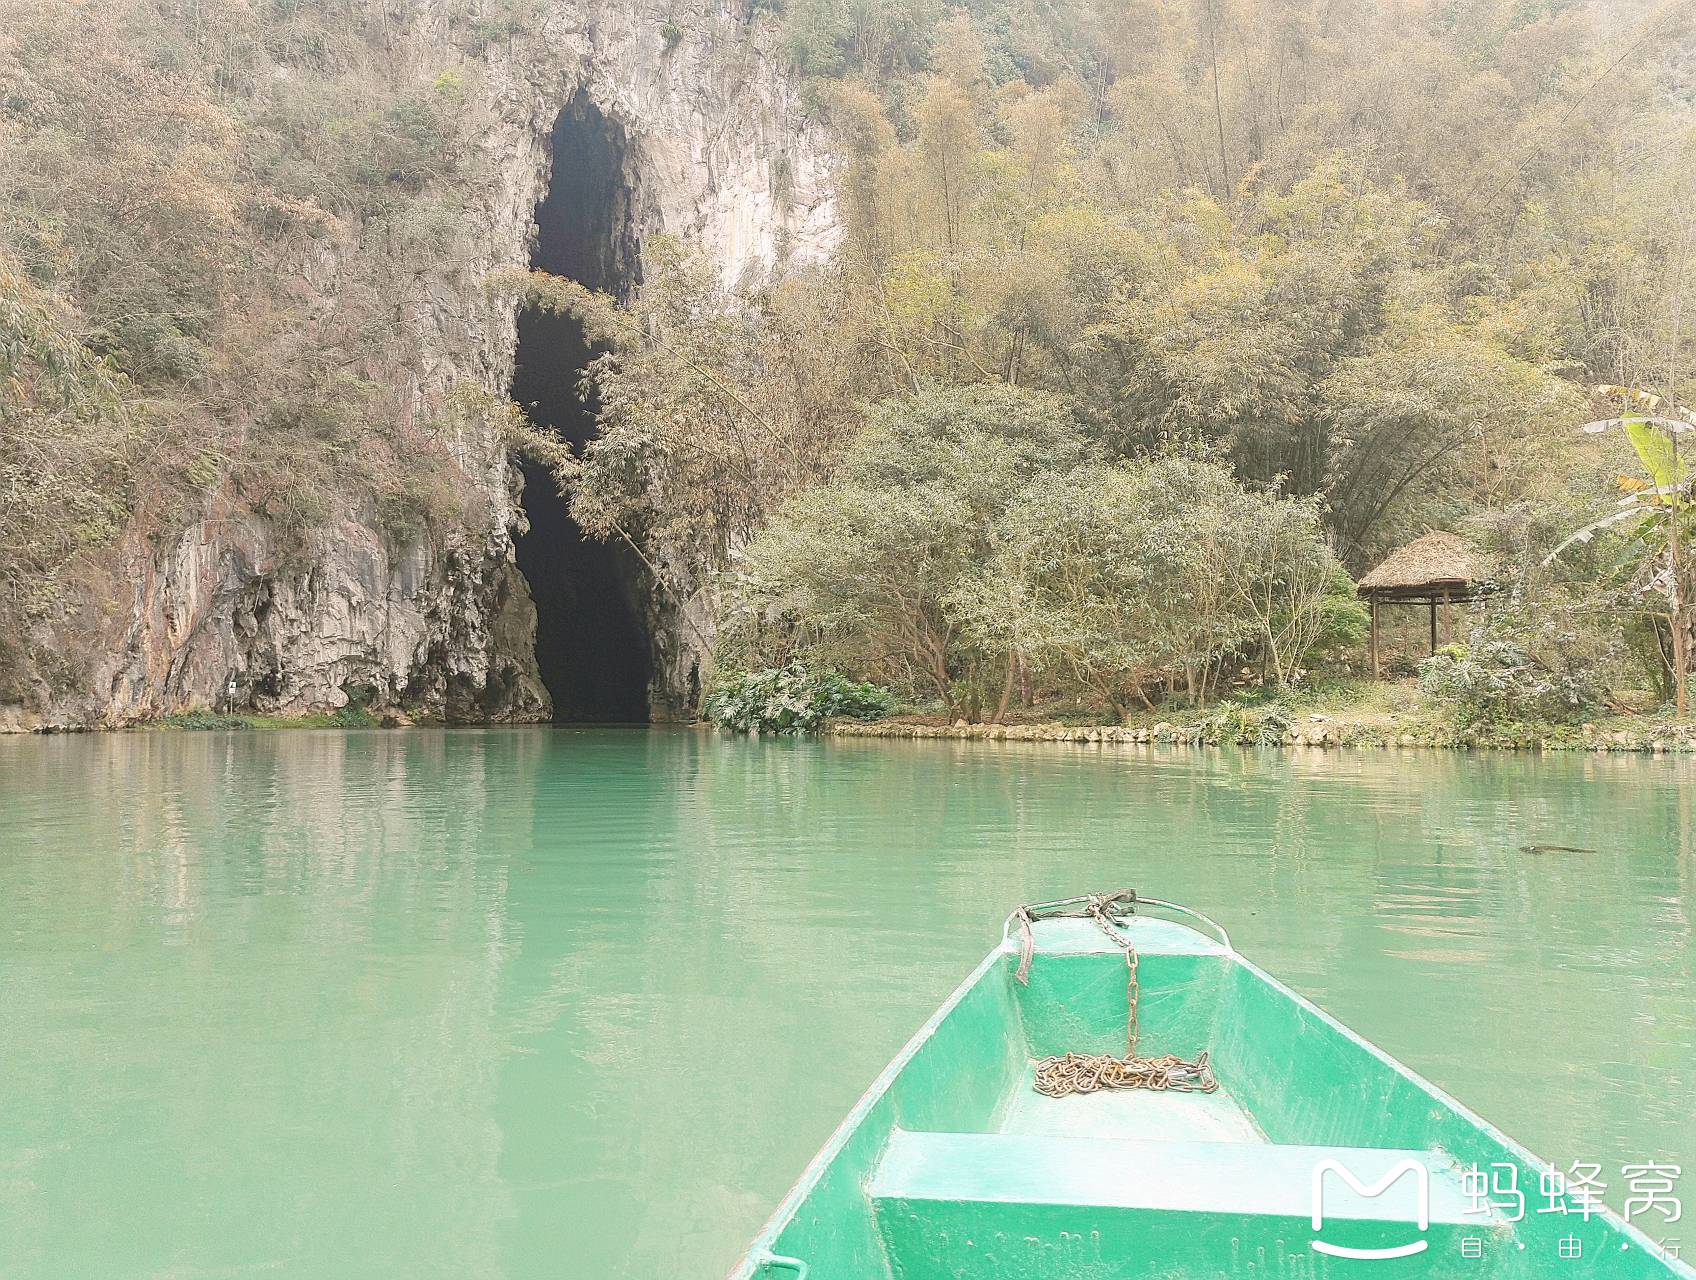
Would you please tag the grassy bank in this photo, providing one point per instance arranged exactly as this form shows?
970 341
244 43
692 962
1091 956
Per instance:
1344 714
346 718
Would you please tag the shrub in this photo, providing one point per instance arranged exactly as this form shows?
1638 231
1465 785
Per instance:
203 720
1497 680
356 713
792 700
861 567
972 535
354 716
1262 726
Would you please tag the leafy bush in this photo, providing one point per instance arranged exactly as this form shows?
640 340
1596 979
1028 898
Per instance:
204 720
831 39
972 541
860 568
792 700
357 713
1498 680
1343 620
1262 726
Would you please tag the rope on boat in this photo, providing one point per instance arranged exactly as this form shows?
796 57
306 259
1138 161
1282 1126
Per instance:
1087 1072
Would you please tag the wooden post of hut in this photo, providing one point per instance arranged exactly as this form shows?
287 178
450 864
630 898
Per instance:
1434 570
1372 604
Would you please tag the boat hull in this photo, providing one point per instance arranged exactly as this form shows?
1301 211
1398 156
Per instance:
953 1165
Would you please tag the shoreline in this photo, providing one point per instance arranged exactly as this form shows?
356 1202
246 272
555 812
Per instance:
1657 738
1225 724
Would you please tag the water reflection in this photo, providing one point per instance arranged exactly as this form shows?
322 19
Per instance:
545 1002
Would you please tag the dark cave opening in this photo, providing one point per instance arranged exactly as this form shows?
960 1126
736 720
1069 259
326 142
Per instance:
592 644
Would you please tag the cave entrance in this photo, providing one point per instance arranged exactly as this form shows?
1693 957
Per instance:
592 643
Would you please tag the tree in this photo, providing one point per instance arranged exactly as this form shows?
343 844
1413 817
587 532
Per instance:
1287 582
857 572
1075 587
972 536
1659 510
1116 580
713 409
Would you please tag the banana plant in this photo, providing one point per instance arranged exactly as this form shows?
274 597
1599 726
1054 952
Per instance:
1660 508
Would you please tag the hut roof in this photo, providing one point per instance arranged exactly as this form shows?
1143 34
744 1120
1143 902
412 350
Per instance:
1436 560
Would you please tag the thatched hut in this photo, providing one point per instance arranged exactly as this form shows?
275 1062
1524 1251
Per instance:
1436 570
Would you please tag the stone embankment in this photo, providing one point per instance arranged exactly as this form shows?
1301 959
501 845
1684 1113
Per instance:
1651 737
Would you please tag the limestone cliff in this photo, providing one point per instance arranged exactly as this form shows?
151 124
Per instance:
229 610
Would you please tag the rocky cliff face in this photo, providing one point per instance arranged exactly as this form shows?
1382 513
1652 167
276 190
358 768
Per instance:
233 612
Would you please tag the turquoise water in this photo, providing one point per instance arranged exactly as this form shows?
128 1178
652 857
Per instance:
582 1003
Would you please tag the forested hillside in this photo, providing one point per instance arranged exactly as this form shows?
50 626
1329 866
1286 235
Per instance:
1367 261
217 222
1149 323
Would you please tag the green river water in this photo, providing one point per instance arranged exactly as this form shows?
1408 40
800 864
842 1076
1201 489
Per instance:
582 1004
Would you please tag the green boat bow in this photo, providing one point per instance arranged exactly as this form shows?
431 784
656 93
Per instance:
1313 1153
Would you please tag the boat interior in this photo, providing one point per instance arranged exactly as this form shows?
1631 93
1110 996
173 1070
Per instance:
954 1165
